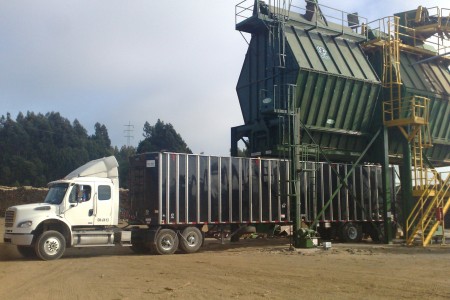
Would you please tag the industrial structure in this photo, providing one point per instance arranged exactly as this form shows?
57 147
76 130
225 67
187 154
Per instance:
321 85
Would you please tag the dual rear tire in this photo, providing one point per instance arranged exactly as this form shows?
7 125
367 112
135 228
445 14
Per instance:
167 241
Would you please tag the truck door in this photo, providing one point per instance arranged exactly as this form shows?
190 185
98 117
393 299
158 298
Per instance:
103 204
80 211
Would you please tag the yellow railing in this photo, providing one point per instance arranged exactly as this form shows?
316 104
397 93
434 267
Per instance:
382 31
423 217
409 110
425 178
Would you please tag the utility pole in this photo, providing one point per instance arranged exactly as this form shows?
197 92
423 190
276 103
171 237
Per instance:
128 132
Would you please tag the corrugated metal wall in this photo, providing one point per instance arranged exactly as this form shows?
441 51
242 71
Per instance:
337 89
429 79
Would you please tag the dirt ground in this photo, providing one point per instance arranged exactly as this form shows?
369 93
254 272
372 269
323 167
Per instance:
252 269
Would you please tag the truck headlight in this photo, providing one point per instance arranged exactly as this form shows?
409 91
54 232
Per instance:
25 224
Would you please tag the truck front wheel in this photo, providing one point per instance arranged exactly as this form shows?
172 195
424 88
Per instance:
191 240
50 245
166 241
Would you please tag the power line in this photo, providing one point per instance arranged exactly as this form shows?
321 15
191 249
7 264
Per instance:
128 132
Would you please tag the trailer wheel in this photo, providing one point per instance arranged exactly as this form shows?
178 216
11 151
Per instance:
351 233
191 240
166 242
50 245
26 251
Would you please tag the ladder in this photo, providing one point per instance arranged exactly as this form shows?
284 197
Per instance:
289 141
309 158
279 12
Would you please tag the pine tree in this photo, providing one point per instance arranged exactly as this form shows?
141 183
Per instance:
162 137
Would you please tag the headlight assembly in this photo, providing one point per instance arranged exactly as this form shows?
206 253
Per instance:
25 224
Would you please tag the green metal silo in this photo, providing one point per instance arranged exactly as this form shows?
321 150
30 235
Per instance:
315 66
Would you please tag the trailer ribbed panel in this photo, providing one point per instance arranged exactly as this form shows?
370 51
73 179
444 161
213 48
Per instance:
192 189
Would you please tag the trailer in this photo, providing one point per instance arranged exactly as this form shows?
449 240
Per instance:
176 195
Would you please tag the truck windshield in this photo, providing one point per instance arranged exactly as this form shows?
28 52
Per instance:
56 193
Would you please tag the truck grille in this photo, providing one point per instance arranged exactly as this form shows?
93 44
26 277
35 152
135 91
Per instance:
9 218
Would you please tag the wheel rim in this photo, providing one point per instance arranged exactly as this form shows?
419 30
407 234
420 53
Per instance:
191 240
52 246
167 242
352 232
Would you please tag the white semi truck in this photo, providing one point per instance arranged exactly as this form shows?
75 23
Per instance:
79 210
173 196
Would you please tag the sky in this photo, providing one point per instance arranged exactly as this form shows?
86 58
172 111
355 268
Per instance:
120 62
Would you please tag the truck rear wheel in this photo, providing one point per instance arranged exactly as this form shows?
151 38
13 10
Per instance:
351 233
166 241
191 240
50 245
26 251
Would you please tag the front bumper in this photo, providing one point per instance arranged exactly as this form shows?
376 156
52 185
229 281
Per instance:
18 239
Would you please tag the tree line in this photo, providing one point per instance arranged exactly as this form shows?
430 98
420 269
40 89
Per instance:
38 148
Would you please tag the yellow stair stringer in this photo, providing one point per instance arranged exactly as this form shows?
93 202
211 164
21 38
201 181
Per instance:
424 212
442 202
415 220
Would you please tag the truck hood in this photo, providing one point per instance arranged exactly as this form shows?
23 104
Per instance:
23 219
34 210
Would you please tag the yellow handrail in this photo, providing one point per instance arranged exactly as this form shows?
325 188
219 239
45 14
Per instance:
423 212
408 108
439 204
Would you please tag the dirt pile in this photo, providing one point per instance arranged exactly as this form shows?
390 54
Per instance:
10 196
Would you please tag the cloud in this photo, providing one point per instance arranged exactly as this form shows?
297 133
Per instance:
117 62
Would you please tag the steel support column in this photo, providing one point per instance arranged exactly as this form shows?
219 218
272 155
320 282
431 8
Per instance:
406 181
234 142
386 185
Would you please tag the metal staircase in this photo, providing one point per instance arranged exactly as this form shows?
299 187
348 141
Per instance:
428 213
411 116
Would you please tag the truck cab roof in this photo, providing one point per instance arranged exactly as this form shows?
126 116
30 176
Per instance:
106 167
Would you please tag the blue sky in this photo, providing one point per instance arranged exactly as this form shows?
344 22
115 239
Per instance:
116 62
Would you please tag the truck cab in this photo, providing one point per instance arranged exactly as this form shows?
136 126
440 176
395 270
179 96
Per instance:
79 210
